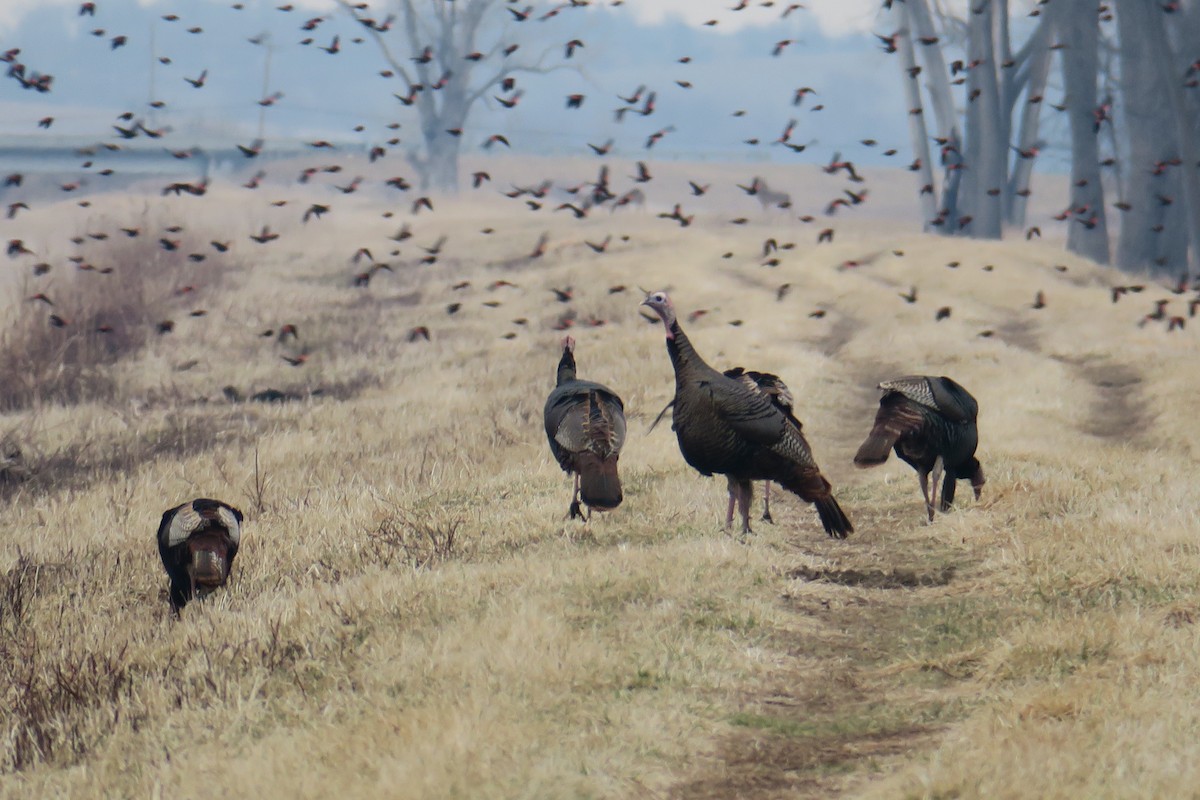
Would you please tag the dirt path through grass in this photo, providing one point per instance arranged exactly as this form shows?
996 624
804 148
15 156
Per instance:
870 667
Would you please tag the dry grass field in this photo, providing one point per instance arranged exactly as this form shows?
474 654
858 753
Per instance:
411 615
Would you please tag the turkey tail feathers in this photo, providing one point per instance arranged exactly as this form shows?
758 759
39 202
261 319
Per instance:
599 484
836 523
811 486
876 448
896 417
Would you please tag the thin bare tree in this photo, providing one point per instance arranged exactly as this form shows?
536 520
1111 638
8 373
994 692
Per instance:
1034 72
986 130
983 184
1148 146
1080 26
459 52
941 99
1184 124
916 119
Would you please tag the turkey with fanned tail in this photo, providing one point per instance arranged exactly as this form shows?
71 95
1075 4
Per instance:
931 424
733 426
585 424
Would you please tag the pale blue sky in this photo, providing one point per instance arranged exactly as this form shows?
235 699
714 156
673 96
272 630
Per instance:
732 69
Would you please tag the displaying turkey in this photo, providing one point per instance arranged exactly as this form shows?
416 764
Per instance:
733 426
931 424
585 424
198 542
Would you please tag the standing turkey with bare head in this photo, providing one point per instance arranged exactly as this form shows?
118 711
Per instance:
585 424
197 542
734 427
931 423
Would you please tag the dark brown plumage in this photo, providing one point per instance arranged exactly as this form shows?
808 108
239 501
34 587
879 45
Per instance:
198 541
726 426
931 424
771 385
585 425
781 397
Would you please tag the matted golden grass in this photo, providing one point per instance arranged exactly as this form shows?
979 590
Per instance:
412 616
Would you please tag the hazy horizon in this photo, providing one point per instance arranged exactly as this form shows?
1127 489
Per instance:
737 91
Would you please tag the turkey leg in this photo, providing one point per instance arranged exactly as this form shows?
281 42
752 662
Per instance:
938 467
575 510
923 477
745 490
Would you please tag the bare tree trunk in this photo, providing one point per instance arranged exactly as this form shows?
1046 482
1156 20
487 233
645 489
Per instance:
1006 87
916 119
987 146
937 84
1038 66
1149 141
440 108
937 76
438 168
1184 126
1080 60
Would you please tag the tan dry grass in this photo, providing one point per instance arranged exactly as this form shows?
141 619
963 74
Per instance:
1046 649
61 342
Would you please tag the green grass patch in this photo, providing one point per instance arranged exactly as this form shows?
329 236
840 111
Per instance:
947 626
1113 593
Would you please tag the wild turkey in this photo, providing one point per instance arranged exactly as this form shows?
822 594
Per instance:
931 424
585 424
725 425
780 395
198 542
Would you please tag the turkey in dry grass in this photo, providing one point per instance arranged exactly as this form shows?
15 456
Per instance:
734 427
585 424
774 387
781 397
198 541
931 424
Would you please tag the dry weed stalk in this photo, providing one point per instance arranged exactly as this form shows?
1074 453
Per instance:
52 689
61 349
422 538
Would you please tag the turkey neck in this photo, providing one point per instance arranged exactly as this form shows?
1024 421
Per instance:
684 357
566 368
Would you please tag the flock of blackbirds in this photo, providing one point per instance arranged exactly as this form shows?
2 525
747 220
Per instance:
579 199
739 423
